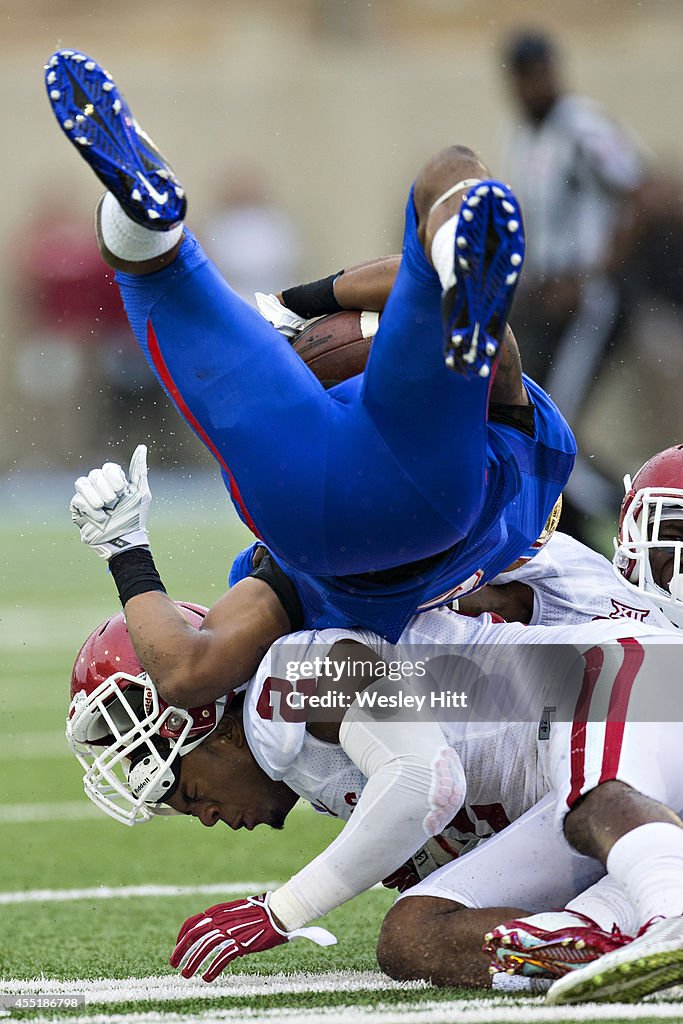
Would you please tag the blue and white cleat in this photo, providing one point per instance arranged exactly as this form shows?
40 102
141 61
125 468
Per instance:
95 117
487 260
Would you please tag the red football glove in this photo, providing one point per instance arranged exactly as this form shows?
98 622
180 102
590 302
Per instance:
228 930
402 878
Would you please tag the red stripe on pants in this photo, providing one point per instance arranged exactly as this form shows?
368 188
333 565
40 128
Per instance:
594 659
169 383
634 654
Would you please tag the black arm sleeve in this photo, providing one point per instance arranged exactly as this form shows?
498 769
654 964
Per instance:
270 572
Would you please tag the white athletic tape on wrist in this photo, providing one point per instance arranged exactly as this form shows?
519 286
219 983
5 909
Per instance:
130 241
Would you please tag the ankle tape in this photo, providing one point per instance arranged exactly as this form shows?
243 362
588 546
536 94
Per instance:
465 183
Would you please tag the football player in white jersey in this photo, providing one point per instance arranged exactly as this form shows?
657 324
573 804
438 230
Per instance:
506 870
670 582
403 775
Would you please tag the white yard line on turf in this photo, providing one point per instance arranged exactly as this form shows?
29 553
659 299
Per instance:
464 1011
115 892
168 987
34 746
73 810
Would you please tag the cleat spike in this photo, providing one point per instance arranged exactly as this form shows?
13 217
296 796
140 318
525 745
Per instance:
484 371
55 94
90 65
507 206
474 200
513 225
153 214
463 263
116 106
467 215
483 190
516 259
136 195
490 348
461 242
488 936
511 278
580 944
498 192
78 57
107 86
67 125
82 141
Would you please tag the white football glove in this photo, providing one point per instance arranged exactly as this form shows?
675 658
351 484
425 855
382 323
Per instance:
110 509
284 320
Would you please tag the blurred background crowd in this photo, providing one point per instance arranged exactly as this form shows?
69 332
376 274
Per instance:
297 129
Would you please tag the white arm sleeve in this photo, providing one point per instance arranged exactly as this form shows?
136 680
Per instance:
415 786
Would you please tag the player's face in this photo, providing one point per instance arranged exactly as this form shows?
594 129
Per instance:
535 88
221 781
662 559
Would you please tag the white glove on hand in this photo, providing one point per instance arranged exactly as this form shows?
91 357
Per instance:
284 320
111 509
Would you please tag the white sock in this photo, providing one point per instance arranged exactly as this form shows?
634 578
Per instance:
607 904
648 865
130 241
443 247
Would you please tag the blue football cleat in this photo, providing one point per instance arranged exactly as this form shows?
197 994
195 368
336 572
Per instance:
95 117
487 259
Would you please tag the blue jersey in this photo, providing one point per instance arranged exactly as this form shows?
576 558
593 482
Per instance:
383 495
524 475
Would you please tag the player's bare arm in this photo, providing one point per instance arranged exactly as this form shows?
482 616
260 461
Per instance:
196 666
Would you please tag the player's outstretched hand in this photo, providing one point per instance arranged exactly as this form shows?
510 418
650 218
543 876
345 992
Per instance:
284 320
229 930
110 509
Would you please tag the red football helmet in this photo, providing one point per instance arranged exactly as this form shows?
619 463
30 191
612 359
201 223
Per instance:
654 496
126 737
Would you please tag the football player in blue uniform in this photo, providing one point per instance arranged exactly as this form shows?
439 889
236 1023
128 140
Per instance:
394 490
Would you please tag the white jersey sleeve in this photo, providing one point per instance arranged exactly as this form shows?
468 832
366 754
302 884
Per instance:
572 583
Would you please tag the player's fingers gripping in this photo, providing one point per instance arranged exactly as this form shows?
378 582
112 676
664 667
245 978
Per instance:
82 512
97 490
115 479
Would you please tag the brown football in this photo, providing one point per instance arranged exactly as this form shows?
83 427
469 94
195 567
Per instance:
336 347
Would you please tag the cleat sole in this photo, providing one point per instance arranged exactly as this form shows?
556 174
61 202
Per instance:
96 119
476 305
